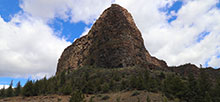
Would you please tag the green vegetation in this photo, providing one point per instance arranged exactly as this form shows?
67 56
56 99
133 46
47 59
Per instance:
77 96
89 80
118 99
18 89
105 97
9 91
28 89
135 93
148 99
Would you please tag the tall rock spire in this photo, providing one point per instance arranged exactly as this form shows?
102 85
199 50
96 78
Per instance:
114 41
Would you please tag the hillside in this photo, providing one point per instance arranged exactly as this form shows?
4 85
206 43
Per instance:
129 96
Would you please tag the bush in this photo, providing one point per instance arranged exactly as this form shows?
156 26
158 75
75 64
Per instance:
148 99
135 93
105 97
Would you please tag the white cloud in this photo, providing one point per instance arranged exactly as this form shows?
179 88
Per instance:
75 10
29 47
86 31
4 86
177 42
214 62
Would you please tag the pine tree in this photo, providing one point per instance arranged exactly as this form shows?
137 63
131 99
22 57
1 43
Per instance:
10 91
2 92
27 90
162 75
62 78
205 85
147 80
174 87
18 89
66 90
77 96
207 97
44 86
192 89
36 88
216 91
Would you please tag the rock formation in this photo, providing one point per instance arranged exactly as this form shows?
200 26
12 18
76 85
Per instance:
114 41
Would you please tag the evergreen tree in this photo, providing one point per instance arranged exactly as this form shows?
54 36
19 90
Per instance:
10 91
205 85
44 86
105 87
162 75
62 78
37 88
147 80
18 89
66 89
192 89
207 97
77 96
28 90
133 81
2 92
216 91
52 85
174 87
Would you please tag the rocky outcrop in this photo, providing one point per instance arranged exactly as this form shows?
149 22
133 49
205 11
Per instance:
187 69
114 41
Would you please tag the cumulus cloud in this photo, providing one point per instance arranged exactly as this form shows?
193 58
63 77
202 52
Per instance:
29 47
86 31
4 86
214 61
75 10
182 40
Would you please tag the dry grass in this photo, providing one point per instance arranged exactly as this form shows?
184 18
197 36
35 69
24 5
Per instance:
113 97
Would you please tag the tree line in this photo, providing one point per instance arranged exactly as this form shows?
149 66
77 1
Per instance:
88 80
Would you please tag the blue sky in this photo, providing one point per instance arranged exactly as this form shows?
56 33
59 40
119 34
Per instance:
175 31
9 8
67 29
173 8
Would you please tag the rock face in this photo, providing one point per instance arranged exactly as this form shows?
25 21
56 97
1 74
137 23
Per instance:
114 41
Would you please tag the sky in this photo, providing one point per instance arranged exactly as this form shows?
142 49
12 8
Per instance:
33 33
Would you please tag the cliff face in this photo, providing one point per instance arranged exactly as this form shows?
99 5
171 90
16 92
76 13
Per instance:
114 41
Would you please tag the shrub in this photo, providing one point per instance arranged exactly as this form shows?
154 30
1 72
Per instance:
135 93
148 99
106 97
